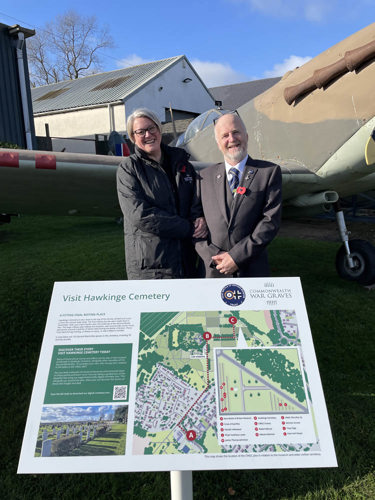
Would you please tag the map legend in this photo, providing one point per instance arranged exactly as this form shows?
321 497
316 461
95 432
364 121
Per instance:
266 429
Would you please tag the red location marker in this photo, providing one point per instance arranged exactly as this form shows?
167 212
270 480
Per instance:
232 320
256 428
284 433
255 418
224 395
285 404
255 423
207 336
231 388
280 404
284 428
221 418
191 435
282 418
223 384
256 434
222 435
221 399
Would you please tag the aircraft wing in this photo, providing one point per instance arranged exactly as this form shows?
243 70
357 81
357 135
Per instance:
46 183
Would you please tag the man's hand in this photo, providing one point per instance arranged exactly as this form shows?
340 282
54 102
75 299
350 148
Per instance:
200 228
224 263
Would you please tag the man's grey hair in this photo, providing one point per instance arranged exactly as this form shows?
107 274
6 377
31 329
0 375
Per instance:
141 113
234 113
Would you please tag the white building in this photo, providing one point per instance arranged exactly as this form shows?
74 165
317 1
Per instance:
100 103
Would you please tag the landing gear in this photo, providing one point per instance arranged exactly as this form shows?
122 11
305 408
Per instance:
362 256
355 260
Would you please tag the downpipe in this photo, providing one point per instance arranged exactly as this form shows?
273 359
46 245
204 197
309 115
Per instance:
21 74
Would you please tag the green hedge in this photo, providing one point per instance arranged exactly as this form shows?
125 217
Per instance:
62 447
9 145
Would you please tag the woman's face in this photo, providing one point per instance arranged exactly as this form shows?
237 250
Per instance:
147 137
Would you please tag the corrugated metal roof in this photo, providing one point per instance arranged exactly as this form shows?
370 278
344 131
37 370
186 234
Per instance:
101 88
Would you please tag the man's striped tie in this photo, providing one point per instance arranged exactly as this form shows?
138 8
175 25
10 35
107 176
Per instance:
233 183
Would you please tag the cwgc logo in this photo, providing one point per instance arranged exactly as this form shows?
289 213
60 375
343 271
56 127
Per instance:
233 295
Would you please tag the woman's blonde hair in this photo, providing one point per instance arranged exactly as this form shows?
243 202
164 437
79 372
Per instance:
141 113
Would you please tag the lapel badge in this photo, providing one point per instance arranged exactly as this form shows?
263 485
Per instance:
183 169
241 190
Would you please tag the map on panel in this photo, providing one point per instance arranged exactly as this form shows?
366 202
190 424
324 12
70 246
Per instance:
221 382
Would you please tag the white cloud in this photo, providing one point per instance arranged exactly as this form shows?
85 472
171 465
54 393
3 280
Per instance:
131 60
288 64
73 413
215 74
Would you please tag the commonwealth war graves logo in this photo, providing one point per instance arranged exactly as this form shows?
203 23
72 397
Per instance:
233 295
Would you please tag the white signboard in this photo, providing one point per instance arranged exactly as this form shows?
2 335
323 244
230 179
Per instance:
177 375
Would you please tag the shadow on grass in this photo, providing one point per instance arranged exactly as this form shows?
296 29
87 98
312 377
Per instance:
111 436
93 450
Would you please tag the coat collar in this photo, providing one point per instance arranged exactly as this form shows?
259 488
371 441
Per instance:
220 188
243 189
221 181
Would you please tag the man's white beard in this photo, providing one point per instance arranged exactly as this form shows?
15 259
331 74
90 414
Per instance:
236 156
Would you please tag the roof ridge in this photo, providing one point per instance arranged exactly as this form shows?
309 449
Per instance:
174 58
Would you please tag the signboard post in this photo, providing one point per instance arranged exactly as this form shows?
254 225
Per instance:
181 485
182 375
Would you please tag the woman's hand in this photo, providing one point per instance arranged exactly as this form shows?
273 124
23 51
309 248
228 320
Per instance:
200 228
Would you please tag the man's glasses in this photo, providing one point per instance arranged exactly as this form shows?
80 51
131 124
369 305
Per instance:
142 131
227 113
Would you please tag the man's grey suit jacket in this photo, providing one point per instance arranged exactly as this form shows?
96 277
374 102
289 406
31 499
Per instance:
243 225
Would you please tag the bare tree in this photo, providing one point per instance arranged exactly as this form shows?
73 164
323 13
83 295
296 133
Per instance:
67 49
42 69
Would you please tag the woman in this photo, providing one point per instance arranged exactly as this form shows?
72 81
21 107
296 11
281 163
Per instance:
157 192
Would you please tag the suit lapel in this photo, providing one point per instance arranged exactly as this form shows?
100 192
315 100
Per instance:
244 186
220 188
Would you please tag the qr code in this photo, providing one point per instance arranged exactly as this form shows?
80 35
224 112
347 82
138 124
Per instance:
120 392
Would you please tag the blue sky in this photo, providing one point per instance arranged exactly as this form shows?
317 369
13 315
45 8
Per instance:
75 413
227 41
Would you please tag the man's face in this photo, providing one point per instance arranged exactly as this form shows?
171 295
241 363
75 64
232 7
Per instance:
149 139
231 138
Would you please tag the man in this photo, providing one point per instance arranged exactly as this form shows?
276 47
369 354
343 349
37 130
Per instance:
242 207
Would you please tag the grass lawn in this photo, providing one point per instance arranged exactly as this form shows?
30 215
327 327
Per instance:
111 443
37 251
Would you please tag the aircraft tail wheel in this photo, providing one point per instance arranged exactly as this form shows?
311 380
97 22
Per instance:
363 254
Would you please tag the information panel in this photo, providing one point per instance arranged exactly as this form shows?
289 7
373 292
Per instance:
177 375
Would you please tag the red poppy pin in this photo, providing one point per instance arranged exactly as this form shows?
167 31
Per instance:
183 169
241 190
